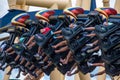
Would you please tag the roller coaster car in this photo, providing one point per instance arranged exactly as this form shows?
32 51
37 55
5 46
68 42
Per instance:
109 41
46 41
77 44
20 48
13 31
8 58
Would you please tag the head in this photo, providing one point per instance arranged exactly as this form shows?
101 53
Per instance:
19 20
106 12
73 12
43 16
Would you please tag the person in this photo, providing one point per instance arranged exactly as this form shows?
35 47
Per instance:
42 17
72 13
105 14
19 20
18 24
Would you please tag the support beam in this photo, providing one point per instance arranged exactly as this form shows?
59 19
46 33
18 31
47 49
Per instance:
77 77
84 76
106 3
79 3
103 76
86 4
117 77
6 77
56 75
13 5
62 4
117 6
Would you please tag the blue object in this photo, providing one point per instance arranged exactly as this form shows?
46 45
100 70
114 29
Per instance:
13 12
0 22
7 18
93 5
